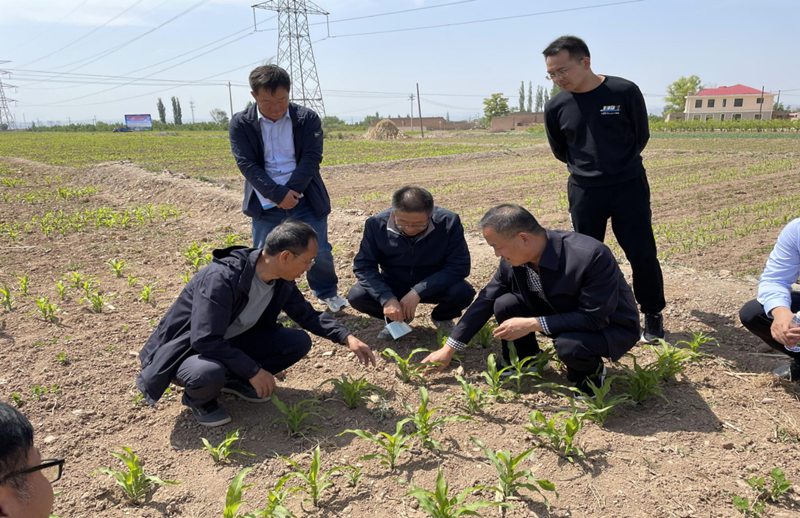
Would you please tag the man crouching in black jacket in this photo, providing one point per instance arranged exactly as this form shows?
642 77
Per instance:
410 254
562 284
222 334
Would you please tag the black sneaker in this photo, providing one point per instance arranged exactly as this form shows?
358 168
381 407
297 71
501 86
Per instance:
790 371
243 390
211 414
583 385
653 328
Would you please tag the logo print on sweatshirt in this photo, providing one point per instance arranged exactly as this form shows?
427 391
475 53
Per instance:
610 110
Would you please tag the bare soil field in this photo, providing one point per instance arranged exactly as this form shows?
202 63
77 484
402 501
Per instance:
722 420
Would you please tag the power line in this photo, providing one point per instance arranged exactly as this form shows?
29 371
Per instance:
137 2
393 12
72 11
471 22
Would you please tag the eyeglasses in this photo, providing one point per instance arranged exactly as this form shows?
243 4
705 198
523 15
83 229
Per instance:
50 468
561 74
310 263
411 226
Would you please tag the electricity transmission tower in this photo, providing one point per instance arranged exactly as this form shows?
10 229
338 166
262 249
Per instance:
294 50
5 112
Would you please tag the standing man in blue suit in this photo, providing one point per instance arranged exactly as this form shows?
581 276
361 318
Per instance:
278 148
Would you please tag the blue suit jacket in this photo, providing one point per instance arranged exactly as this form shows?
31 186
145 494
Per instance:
247 145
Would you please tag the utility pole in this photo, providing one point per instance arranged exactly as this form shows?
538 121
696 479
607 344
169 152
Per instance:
295 53
419 106
230 98
191 105
779 98
5 112
761 104
411 98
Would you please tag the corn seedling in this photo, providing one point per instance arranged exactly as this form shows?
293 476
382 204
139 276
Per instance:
509 479
116 266
393 445
17 400
314 481
544 357
473 398
353 391
296 417
408 371
670 359
146 295
62 358
24 284
559 432
519 369
88 286
640 382
598 408
76 280
185 277
754 507
485 335
354 476
6 298
494 378
46 309
699 338
425 423
133 481
62 289
233 499
438 503
231 239
441 337
132 280
98 300
221 452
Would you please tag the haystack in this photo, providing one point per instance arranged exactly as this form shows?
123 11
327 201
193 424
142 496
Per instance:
384 130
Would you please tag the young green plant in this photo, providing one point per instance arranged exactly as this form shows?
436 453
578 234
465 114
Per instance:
221 452
116 266
46 309
146 295
425 422
670 359
438 503
353 391
598 405
276 497
134 481
472 398
314 480
559 432
296 416
519 370
6 298
393 445
698 338
24 284
485 335
494 378
510 479
409 372
640 381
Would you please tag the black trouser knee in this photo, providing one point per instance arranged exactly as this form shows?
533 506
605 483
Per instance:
451 302
202 379
755 320
363 302
582 353
510 306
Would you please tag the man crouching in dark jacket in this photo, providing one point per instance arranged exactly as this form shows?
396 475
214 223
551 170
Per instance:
222 335
412 253
562 284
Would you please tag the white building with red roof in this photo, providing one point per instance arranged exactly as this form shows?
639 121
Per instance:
729 103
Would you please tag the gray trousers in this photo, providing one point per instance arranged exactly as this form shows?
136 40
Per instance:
275 350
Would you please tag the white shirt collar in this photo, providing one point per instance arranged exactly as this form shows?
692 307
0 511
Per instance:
261 116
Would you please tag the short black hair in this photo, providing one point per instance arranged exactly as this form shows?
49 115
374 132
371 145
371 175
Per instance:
575 46
16 436
412 199
270 77
509 219
291 235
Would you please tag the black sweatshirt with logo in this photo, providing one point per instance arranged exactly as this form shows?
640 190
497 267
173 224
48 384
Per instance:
599 134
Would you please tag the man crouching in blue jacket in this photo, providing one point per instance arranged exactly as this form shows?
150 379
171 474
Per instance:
222 334
562 284
412 253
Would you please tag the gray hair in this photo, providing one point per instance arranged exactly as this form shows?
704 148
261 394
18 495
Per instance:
291 235
412 199
509 219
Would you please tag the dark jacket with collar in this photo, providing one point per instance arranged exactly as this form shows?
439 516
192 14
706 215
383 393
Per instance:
197 321
247 145
585 290
432 262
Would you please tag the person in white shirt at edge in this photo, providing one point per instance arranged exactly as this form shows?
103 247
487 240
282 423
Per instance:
278 147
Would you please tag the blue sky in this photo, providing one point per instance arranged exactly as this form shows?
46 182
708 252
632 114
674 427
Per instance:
651 42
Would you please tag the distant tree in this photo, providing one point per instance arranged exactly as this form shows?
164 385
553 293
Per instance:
655 118
495 106
545 97
162 111
248 105
539 99
176 111
332 121
530 97
522 96
219 116
554 91
778 107
677 92
448 117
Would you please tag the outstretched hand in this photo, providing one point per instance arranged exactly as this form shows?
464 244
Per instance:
361 350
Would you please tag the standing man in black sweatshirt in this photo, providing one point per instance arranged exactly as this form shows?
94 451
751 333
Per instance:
598 126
